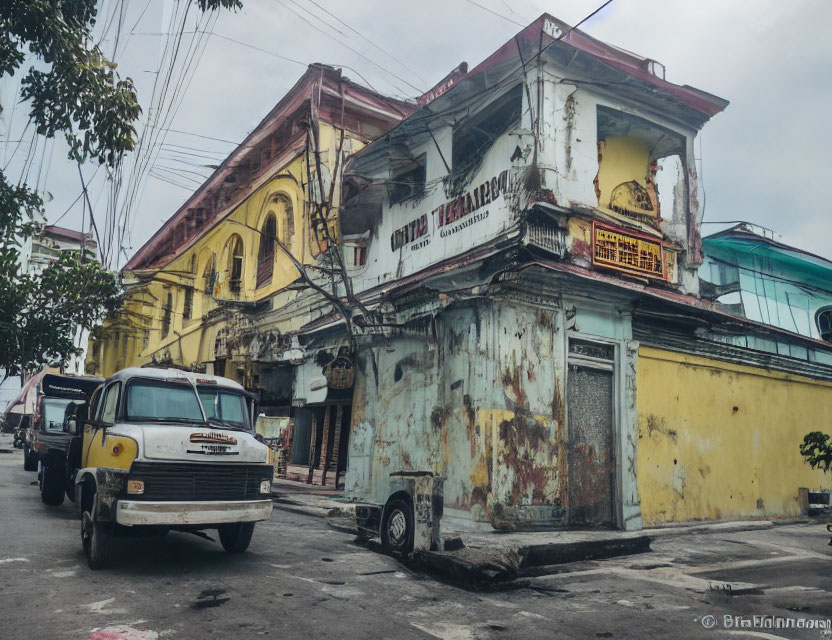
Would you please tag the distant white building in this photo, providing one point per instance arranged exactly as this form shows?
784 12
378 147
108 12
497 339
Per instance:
37 252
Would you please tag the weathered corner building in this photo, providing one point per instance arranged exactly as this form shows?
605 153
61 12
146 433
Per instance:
538 352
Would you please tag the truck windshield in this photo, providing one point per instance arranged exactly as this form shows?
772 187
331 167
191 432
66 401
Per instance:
162 401
53 413
223 406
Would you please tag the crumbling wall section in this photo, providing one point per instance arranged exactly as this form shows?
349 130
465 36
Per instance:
480 404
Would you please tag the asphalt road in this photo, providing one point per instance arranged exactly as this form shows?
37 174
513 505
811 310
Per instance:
302 580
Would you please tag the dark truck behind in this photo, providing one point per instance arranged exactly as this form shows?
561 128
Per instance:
59 399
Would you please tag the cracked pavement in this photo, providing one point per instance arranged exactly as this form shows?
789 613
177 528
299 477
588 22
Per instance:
300 578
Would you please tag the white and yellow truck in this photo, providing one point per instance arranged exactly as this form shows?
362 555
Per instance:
166 449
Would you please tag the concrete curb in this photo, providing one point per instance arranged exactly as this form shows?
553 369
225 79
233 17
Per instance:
343 525
718 527
479 568
319 509
315 512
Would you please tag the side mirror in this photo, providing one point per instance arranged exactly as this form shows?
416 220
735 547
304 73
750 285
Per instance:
74 418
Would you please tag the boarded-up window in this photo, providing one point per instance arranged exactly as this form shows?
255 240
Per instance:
166 314
265 257
209 275
235 264
188 305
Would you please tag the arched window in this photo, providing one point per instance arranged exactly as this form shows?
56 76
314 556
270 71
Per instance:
234 267
265 257
209 275
823 318
166 313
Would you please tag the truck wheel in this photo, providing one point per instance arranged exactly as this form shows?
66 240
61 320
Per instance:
30 462
397 528
96 537
52 485
236 537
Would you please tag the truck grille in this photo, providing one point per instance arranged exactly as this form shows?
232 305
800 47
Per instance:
181 482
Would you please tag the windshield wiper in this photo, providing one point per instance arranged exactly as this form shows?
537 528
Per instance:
225 425
164 419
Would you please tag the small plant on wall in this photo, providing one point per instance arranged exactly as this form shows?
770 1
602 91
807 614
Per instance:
817 449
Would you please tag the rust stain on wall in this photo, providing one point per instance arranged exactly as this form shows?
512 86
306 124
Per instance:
524 442
512 381
471 425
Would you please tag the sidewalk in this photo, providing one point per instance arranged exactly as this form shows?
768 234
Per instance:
479 558
311 500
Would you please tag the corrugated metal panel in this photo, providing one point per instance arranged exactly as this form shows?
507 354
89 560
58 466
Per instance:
591 453
656 336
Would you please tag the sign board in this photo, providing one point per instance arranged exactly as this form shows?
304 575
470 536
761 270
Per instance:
627 251
417 234
443 85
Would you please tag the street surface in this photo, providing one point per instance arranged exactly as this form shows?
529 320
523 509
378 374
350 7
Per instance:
302 580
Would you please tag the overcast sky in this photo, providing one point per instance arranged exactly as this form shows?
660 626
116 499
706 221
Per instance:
762 160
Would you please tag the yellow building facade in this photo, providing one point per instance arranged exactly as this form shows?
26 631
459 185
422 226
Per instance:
719 440
237 244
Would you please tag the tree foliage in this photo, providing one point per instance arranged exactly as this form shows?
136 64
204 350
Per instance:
46 311
817 449
74 91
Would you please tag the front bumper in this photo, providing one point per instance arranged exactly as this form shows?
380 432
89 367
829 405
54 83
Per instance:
135 512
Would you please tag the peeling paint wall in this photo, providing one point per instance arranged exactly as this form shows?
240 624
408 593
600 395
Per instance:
485 409
480 408
719 440
573 167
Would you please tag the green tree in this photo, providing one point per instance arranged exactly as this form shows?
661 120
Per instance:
75 91
817 449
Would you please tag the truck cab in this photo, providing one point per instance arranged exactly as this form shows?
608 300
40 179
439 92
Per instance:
48 437
168 449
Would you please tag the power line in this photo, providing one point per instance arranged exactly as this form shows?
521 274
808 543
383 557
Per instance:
355 51
178 169
491 11
153 174
194 159
251 46
360 35
307 11
163 109
572 28
197 135
205 152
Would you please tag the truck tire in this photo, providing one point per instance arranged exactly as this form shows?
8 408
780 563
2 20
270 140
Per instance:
96 536
30 461
236 537
52 485
397 527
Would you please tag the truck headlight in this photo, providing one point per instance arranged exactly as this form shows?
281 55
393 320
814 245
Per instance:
265 486
135 486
